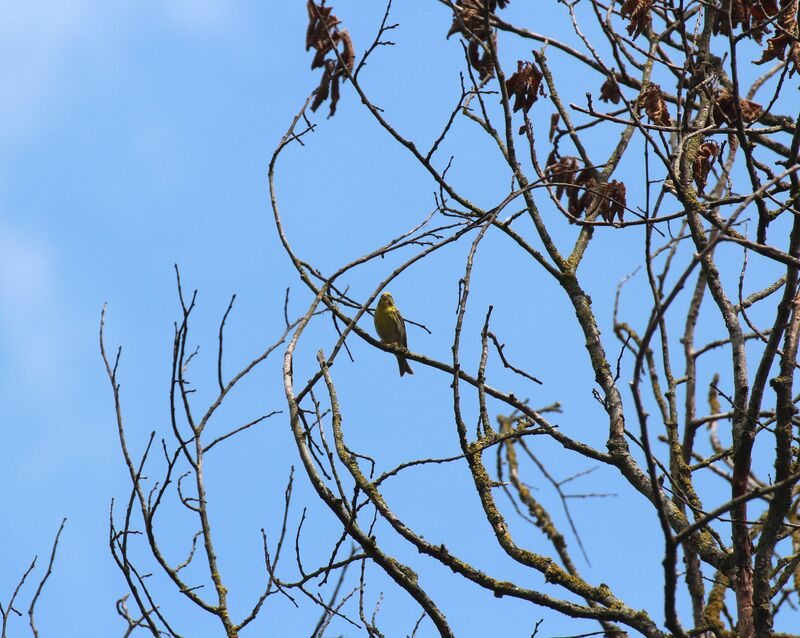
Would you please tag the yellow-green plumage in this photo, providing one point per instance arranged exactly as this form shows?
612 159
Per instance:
391 328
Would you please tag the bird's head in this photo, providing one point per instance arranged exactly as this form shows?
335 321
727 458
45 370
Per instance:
386 301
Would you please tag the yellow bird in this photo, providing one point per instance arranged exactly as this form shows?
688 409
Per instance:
391 328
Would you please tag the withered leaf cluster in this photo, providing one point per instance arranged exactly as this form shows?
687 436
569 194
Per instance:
525 85
562 172
583 191
652 101
610 201
787 35
470 19
638 14
725 108
324 36
707 154
749 14
610 92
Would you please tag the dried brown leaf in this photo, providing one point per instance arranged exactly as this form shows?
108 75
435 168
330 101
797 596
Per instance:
323 90
638 14
787 35
610 92
470 20
525 86
707 154
554 120
653 103
611 201
324 36
469 17
320 22
578 202
725 108
751 15
562 172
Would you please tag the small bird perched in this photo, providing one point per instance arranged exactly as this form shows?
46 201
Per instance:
391 328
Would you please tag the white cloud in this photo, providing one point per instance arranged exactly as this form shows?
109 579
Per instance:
39 40
25 267
29 317
198 16
34 40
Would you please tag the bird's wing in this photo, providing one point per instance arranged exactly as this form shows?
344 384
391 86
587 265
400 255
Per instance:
401 328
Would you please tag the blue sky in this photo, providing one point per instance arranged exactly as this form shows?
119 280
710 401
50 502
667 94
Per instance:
134 136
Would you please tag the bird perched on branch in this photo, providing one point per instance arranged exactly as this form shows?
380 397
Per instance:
391 328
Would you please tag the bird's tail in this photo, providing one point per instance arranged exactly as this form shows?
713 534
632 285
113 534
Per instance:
402 363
